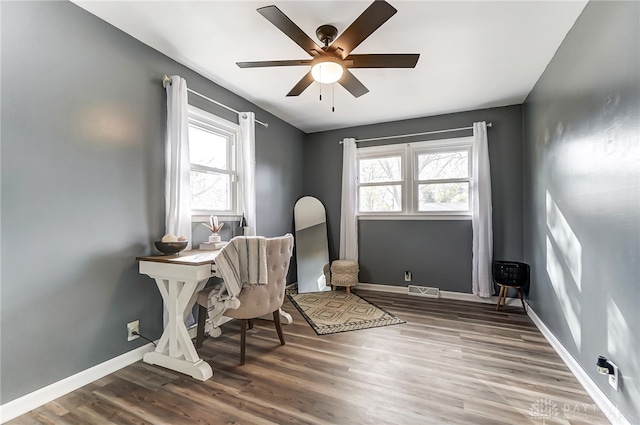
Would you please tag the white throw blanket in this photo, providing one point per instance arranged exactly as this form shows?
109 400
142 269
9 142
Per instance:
243 261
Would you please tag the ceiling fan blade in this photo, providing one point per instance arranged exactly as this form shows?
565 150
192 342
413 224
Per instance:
383 61
262 64
364 25
302 85
352 84
291 30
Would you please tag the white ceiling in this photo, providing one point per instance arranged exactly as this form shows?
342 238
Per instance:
473 54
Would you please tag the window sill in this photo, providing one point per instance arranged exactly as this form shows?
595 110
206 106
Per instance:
398 217
205 218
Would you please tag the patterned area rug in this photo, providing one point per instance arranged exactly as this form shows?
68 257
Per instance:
336 311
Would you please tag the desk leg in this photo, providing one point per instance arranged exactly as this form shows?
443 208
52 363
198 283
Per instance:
175 350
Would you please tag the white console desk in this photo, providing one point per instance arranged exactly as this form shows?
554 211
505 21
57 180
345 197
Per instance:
179 278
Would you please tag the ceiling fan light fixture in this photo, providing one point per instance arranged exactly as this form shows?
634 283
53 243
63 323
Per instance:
331 62
327 71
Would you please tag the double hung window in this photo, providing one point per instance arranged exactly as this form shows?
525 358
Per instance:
415 180
381 181
213 156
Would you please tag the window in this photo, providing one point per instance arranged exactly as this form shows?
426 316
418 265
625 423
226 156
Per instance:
415 180
381 180
212 154
442 180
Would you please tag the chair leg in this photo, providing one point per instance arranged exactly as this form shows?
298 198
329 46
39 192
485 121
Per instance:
505 295
202 318
278 325
348 289
502 290
522 299
243 338
250 323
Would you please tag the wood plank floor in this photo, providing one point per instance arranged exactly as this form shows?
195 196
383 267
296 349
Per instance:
453 362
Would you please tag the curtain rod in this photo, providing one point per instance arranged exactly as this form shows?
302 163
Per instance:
418 134
166 80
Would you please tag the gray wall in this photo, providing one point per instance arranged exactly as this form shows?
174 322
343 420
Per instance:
582 198
83 116
438 253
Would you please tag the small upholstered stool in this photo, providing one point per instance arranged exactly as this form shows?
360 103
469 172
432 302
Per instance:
344 273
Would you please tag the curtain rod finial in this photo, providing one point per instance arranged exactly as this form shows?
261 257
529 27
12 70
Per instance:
165 81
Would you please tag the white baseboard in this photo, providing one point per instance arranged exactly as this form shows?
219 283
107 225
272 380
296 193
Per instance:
608 408
449 295
26 403
382 288
291 285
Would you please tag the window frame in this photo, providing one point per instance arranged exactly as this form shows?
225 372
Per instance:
409 153
230 131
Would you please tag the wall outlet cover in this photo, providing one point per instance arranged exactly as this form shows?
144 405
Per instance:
131 328
614 378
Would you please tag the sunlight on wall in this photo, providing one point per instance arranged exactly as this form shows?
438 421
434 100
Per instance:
566 241
620 348
557 278
564 252
619 333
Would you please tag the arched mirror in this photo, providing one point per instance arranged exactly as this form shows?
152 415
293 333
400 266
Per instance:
312 249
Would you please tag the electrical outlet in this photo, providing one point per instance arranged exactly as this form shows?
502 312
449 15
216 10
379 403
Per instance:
407 276
131 328
614 377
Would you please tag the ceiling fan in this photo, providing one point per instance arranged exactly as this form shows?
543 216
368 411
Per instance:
331 62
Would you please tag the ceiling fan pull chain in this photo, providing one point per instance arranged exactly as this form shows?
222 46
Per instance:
320 91
333 97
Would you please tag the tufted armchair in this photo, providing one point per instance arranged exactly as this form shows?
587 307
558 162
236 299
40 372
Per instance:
257 300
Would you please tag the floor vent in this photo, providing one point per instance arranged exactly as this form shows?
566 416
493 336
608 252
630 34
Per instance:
424 291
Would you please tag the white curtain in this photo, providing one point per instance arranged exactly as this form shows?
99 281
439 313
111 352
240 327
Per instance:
481 213
178 173
178 169
247 154
348 208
